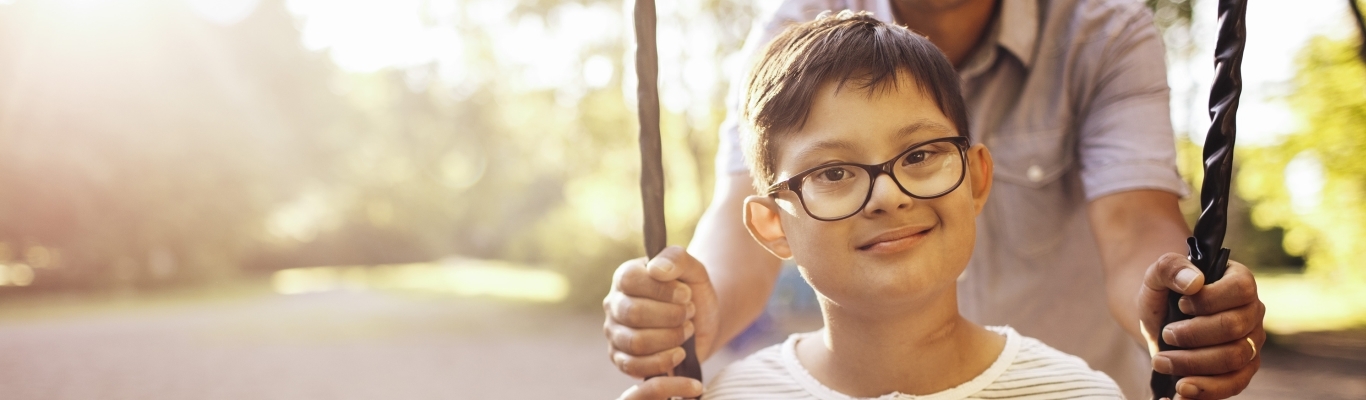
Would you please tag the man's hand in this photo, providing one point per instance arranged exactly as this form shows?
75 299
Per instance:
651 310
1221 343
663 388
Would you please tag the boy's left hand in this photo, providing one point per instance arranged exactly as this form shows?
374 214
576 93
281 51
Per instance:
1221 343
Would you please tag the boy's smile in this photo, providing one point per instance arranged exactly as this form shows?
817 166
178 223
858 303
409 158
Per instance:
895 240
897 247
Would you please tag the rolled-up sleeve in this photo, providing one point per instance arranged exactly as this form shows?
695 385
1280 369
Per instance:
1126 140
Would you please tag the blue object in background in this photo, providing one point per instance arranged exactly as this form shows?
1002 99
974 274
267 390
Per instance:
792 299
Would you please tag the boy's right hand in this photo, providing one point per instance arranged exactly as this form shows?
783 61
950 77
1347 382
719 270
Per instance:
653 308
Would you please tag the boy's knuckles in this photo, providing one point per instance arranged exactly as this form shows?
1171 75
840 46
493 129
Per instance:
631 314
672 292
611 301
640 284
639 367
623 310
643 314
645 342
652 365
629 267
630 344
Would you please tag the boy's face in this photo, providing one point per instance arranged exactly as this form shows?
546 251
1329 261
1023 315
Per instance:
897 247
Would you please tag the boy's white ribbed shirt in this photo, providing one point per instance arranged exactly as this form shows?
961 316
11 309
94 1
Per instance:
1026 369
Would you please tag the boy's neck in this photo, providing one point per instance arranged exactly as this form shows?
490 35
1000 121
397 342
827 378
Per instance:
956 27
924 349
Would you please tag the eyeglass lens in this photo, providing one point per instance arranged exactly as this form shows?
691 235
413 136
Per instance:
839 190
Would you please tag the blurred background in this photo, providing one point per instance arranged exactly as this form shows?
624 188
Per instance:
427 198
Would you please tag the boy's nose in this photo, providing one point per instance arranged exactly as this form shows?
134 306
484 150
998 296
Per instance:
887 196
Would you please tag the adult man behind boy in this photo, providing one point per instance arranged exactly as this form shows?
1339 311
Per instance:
1071 96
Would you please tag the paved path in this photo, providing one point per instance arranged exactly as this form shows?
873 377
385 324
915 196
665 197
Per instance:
347 345
316 346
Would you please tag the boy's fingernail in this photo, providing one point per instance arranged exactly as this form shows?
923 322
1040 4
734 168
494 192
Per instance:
662 264
681 295
1162 364
1185 305
692 310
1185 278
688 330
1187 390
678 356
696 386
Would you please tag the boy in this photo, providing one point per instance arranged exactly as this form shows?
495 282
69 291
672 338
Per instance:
867 180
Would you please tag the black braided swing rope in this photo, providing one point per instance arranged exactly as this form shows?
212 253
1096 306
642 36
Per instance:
1361 28
1206 244
651 162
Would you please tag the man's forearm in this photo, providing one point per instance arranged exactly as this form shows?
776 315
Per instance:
742 272
1132 230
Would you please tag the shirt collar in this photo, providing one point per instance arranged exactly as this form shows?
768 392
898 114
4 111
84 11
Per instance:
1019 28
1015 28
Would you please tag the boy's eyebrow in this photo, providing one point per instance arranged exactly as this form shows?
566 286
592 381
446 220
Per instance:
923 124
821 147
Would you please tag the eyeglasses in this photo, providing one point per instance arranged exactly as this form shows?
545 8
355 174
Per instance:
832 192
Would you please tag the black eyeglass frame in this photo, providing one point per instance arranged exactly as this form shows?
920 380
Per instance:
795 182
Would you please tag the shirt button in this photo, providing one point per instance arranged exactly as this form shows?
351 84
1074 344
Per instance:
1034 173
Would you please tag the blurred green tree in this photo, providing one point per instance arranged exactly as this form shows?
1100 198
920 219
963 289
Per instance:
1313 185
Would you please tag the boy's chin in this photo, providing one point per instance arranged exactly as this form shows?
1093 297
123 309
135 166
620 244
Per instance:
881 292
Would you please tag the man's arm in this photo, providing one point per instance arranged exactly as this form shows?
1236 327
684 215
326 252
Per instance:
1136 226
742 272
1132 229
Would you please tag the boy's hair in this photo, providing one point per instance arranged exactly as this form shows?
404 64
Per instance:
845 47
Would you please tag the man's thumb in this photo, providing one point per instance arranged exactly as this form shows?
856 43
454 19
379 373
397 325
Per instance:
1173 272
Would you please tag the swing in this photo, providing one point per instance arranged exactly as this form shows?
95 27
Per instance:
1205 247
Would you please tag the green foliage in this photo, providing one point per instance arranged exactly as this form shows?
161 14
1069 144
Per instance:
1313 185
1171 13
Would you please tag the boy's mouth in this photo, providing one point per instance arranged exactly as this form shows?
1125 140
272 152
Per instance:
895 240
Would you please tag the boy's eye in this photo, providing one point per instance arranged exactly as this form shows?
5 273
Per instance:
834 174
916 157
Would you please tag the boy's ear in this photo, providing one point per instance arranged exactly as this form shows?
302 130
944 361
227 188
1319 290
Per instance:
980 170
762 219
